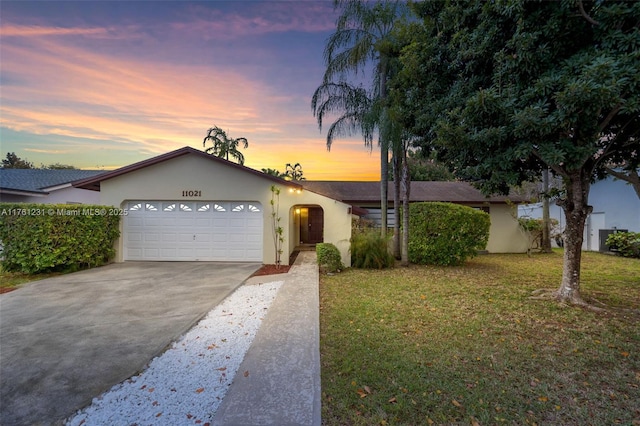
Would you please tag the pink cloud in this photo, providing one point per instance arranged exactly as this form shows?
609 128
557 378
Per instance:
68 86
278 17
11 30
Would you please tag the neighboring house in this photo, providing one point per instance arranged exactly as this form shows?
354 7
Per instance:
46 186
505 235
191 206
615 207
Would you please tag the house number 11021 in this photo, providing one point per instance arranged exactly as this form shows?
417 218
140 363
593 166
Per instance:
187 193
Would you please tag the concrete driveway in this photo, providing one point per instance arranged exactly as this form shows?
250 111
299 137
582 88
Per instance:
67 339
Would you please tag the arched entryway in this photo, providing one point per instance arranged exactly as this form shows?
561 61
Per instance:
310 224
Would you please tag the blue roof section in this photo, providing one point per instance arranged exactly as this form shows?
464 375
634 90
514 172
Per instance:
37 180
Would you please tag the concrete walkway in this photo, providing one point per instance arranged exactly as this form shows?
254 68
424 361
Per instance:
283 363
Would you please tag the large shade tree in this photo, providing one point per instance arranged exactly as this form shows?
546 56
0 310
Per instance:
503 90
361 42
223 146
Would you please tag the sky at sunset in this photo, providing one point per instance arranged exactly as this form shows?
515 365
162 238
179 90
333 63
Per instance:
103 84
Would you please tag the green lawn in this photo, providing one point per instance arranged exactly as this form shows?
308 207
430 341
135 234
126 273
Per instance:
467 345
12 280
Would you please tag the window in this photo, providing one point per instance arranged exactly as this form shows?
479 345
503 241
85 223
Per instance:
169 207
254 209
185 207
203 207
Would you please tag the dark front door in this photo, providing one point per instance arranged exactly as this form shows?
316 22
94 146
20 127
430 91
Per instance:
316 225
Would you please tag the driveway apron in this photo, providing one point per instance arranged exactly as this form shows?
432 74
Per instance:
67 339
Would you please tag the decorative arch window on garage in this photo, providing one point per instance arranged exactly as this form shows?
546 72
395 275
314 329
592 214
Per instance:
193 231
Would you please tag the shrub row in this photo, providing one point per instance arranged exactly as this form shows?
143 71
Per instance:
626 244
56 237
440 234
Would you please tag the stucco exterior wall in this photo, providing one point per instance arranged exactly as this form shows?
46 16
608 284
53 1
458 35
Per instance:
505 234
337 222
217 181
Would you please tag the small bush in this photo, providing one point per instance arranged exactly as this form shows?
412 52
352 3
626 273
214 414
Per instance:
534 227
626 244
370 251
56 237
446 233
329 257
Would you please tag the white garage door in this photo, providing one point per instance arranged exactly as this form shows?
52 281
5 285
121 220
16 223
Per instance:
188 231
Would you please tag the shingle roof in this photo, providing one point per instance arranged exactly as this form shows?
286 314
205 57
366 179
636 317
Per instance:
369 192
38 180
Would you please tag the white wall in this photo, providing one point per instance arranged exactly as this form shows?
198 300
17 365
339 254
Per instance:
615 206
218 181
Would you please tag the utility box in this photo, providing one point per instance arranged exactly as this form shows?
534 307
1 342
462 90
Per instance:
604 233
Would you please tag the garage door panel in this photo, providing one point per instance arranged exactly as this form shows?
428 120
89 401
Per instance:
151 254
169 237
237 222
203 222
184 230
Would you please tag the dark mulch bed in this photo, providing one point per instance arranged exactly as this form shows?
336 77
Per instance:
273 269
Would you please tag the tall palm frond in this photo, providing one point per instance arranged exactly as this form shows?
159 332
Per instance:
223 146
354 105
361 40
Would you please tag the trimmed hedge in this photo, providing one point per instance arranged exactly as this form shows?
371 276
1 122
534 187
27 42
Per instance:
626 244
329 257
57 237
446 233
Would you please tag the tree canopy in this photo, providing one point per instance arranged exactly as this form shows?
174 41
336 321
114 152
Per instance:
502 90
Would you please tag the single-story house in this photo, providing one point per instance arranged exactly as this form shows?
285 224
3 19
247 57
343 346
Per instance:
46 186
187 205
616 207
505 235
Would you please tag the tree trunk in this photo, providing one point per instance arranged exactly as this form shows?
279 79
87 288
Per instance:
384 153
406 192
576 210
384 186
396 204
546 223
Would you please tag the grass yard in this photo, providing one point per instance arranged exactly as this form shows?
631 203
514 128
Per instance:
467 345
12 280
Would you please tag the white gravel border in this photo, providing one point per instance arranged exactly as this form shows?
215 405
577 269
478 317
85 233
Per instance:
186 384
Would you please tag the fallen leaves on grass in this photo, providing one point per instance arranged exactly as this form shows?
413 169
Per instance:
366 390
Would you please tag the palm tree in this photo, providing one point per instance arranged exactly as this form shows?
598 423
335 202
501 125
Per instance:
294 172
361 39
355 105
223 146
273 172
